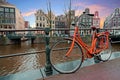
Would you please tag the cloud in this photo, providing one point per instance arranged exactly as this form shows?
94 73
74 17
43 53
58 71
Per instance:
103 12
95 7
29 13
92 7
78 12
77 4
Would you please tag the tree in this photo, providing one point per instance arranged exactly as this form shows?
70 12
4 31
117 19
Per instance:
50 16
49 13
70 16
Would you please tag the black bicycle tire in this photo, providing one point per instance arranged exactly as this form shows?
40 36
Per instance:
69 71
99 57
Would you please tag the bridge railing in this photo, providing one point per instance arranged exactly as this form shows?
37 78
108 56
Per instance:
59 31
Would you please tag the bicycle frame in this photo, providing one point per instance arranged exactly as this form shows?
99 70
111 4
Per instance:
90 50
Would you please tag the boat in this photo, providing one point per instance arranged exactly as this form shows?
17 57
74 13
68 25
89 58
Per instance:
24 39
115 38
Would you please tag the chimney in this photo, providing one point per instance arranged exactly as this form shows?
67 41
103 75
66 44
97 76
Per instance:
96 13
87 11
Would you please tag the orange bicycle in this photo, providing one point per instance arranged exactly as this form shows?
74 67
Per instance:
67 55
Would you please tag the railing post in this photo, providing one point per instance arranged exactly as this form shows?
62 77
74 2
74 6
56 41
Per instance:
48 67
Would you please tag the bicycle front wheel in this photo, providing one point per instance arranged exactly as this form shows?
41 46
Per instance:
64 64
104 43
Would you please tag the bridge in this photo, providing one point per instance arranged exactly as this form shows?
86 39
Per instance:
115 38
17 38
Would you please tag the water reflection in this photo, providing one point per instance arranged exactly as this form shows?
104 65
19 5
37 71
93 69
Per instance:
27 67
20 64
116 47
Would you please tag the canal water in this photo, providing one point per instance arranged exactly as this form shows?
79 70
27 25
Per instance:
27 67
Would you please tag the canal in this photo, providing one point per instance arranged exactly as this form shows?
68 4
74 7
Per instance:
27 67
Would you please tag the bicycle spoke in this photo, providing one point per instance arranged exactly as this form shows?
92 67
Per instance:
63 63
105 46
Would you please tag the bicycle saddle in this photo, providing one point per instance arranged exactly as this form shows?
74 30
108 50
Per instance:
93 28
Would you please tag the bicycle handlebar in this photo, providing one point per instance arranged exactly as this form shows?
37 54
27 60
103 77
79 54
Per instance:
74 24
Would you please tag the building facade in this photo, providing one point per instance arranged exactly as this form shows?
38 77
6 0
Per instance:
10 17
87 20
27 26
20 22
42 19
60 23
113 21
96 20
70 18
7 16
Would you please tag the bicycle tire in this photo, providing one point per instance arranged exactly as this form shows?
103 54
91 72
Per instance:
62 64
105 54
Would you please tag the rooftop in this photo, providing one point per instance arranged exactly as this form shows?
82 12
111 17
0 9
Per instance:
5 3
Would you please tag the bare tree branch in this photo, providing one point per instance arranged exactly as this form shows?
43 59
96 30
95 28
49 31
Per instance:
49 13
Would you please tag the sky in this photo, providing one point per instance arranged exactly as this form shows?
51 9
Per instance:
29 7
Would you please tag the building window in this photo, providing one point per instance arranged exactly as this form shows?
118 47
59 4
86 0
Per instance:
114 24
84 16
43 19
1 15
114 20
5 26
12 21
90 20
1 9
119 19
37 24
37 17
90 23
7 15
116 13
12 10
6 9
13 27
12 15
53 22
0 26
0 21
40 18
83 20
43 25
3 20
40 24
47 21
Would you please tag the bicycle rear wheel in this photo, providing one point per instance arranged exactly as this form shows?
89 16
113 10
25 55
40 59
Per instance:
102 42
64 64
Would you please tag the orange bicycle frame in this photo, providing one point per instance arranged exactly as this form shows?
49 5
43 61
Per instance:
102 41
90 49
